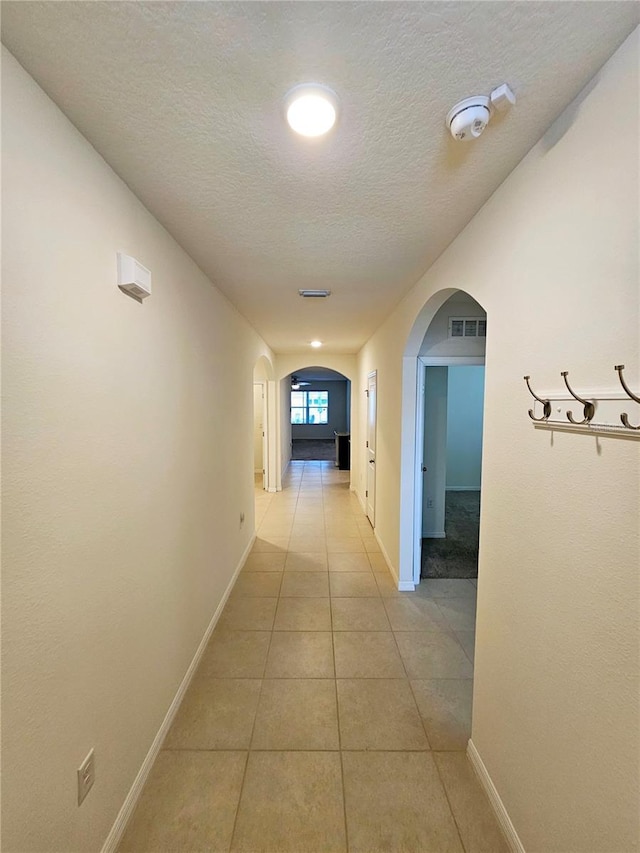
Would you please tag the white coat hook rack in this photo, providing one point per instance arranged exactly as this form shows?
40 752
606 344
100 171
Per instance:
624 417
601 413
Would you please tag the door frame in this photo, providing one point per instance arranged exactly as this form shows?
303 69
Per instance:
264 385
424 361
373 374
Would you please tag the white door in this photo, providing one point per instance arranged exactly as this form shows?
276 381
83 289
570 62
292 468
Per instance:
371 446
259 454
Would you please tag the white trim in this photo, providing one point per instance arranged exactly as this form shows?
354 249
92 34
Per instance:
361 502
611 430
370 475
412 441
511 836
407 545
450 360
403 586
589 394
131 800
418 495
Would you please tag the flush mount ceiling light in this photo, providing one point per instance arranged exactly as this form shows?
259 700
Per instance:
311 109
316 344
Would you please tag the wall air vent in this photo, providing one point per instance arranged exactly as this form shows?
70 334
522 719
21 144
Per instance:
467 327
314 294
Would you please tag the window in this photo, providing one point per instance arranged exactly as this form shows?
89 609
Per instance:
309 407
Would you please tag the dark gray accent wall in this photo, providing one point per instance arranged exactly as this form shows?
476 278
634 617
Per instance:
338 417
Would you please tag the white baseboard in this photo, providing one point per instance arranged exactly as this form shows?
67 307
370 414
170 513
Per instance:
403 586
131 800
435 534
497 805
360 499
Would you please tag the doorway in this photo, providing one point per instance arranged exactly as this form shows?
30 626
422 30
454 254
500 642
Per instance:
259 434
320 416
372 415
264 422
452 469
451 326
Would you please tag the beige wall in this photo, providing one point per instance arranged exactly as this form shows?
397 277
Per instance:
128 458
553 258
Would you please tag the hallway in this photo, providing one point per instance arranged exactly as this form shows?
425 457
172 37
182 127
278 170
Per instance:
329 712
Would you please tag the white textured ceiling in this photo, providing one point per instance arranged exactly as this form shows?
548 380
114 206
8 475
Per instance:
184 100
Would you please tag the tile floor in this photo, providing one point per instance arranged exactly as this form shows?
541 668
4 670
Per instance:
329 712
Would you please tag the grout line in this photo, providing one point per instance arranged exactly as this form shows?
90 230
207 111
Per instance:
315 749
422 720
253 726
335 682
235 817
446 793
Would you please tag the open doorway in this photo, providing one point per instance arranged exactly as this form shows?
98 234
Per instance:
448 441
320 416
263 444
452 455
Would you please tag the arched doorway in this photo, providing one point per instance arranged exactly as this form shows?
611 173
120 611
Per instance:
294 364
320 415
449 334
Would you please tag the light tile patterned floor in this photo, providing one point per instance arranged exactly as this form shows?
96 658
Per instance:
330 712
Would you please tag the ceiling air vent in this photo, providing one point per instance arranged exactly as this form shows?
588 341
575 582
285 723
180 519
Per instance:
314 294
467 327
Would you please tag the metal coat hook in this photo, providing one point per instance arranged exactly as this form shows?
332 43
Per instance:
589 408
624 417
546 405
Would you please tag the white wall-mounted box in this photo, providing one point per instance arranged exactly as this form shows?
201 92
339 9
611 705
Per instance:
133 277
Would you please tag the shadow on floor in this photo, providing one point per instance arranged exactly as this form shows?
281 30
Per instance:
457 555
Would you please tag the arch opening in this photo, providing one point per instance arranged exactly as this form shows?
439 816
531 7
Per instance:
318 423
448 335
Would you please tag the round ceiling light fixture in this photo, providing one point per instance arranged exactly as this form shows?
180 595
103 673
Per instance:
316 344
311 109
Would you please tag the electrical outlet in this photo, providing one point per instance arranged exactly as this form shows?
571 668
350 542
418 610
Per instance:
86 776
429 503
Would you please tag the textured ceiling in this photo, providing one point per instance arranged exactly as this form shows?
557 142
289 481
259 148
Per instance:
184 101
